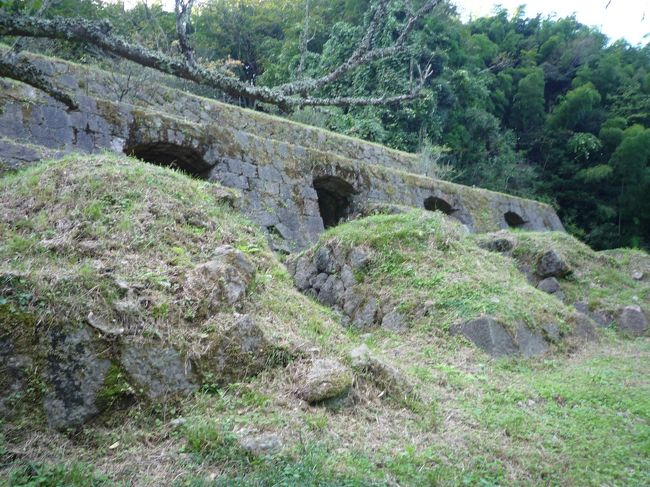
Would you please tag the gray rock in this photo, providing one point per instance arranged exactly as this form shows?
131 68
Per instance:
500 242
489 335
239 350
351 301
584 328
347 277
384 375
530 343
394 321
632 320
74 374
332 291
305 270
365 315
599 317
102 326
550 264
637 275
157 371
261 443
358 258
325 379
318 282
221 280
325 261
552 332
549 285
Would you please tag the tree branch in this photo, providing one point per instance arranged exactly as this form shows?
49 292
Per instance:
20 69
99 35
183 12
358 101
364 53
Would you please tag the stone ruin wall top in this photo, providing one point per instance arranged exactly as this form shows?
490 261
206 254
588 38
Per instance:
295 179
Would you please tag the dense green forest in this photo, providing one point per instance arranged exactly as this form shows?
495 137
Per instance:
540 107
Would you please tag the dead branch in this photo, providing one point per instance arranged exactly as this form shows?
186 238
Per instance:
183 12
290 95
365 51
20 69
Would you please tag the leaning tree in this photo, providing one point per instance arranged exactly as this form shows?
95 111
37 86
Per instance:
301 92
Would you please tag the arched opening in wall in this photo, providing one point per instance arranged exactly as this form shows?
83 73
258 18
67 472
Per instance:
334 199
514 220
174 156
438 204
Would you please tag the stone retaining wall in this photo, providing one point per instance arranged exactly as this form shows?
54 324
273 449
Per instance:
295 180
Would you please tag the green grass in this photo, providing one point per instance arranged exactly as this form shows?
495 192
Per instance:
574 417
421 257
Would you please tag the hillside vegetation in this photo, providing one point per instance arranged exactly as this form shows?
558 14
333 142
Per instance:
150 337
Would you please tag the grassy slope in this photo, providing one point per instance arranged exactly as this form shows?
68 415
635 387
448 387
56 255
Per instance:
571 418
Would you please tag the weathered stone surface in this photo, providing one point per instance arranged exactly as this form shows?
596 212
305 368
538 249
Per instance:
261 443
303 272
550 264
157 371
237 350
74 374
599 317
632 320
13 378
549 285
584 328
384 375
529 343
221 281
331 291
365 315
489 335
552 332
324 379
273 163
499 242
394 321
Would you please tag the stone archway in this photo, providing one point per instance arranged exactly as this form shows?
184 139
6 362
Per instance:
514 220
334 199
174 156
432 203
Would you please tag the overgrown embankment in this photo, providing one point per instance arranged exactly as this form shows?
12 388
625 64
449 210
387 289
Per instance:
144 322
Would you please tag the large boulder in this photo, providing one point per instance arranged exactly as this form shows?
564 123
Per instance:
529 343
222 280
489 335
324 379
633 321
502 242
237 348
551 264
384 375
157 371
74 374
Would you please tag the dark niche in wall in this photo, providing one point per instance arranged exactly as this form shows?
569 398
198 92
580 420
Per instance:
514 220
170 155
438 204
334 199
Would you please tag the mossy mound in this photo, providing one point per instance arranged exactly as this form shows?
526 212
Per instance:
128 279
423 272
